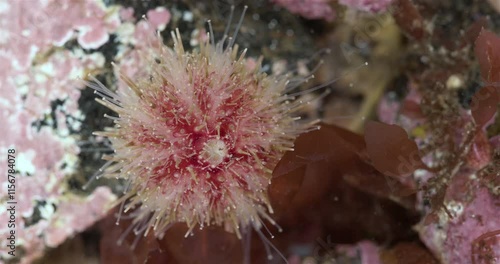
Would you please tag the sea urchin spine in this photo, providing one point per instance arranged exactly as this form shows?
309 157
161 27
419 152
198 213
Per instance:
198 138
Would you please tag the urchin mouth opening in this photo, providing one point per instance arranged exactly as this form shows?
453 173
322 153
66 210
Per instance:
214 152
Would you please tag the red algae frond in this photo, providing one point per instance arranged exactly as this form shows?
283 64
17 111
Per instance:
197 139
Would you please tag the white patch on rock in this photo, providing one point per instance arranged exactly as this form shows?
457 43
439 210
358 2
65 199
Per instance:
25 162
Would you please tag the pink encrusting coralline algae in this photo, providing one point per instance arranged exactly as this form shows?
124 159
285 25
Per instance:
39 108
197 137
373 6
311 9
322 9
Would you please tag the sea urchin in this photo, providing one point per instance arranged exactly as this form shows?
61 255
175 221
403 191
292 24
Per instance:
198 138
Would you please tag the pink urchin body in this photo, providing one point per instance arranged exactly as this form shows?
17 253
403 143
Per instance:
197 139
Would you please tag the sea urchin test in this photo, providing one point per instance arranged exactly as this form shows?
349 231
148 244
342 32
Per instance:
197 139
